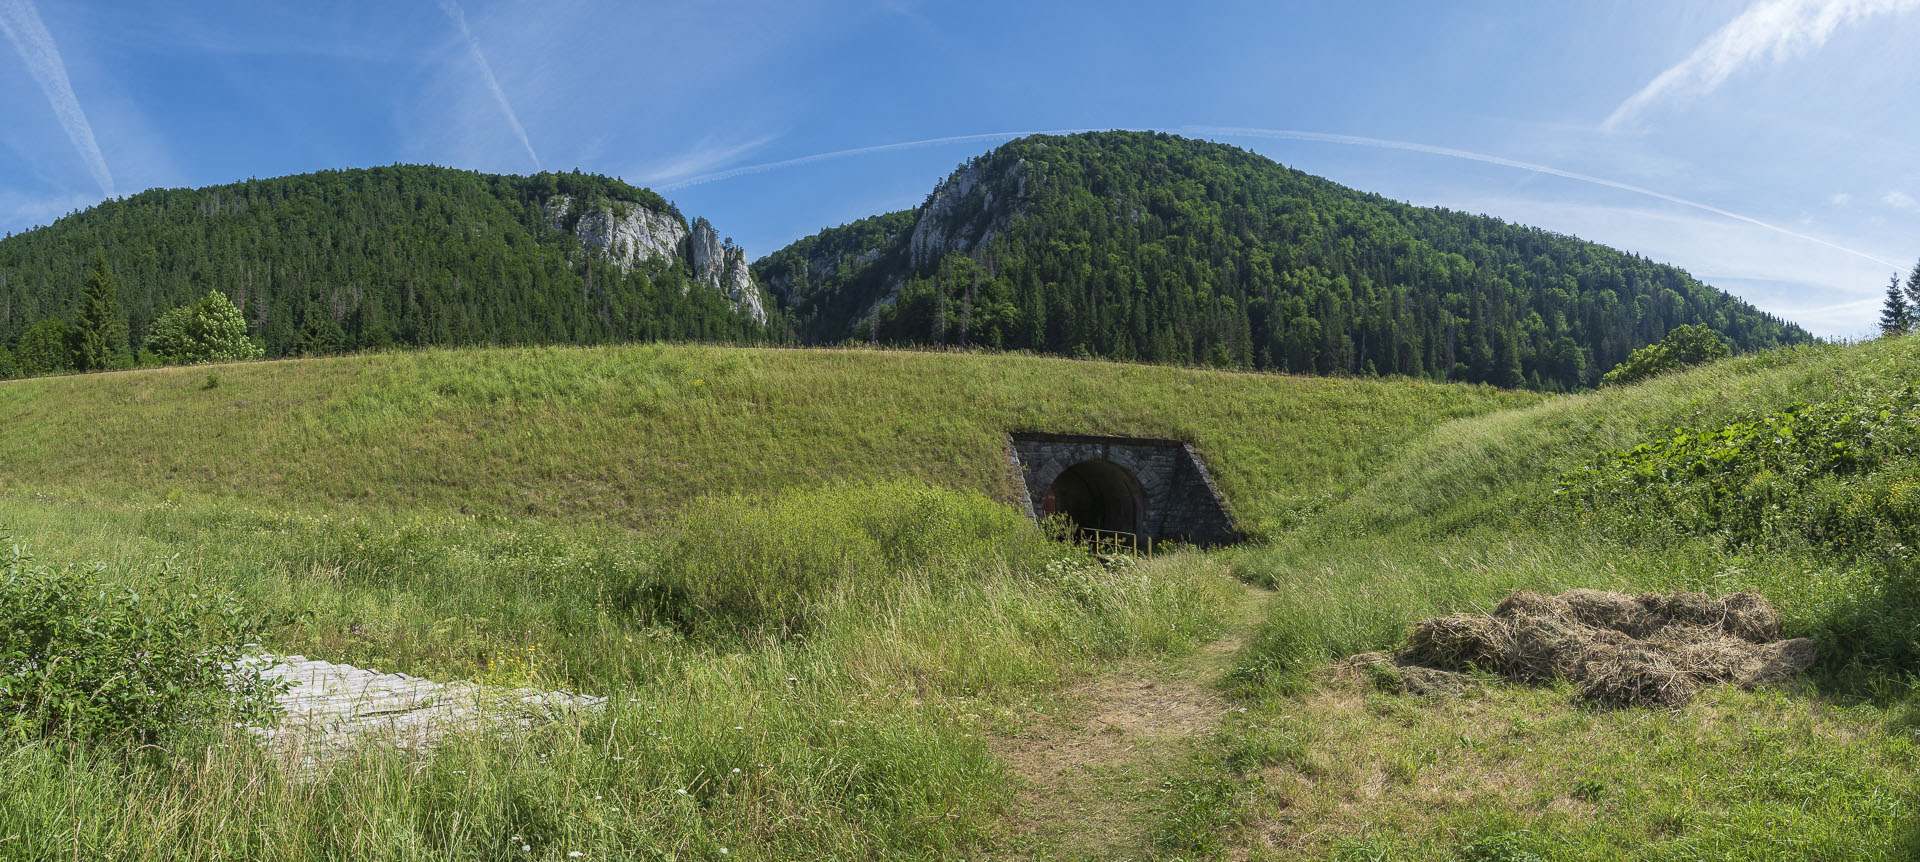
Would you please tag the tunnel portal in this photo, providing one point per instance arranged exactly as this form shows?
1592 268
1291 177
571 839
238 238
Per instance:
1098 494
1156 489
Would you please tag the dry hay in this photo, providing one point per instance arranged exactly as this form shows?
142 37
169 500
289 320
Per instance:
1655 650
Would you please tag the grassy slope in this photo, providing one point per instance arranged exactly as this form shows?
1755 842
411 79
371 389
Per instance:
1454 523
420 512
629 435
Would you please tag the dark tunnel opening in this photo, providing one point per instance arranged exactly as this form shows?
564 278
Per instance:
1099 495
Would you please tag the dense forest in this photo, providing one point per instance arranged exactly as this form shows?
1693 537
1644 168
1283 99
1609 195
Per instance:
360 259
1117 244
1153 247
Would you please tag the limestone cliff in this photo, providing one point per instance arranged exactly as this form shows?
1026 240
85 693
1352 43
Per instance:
630 235
723 267
960 214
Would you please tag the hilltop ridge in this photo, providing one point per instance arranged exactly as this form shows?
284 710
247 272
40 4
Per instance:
1140 245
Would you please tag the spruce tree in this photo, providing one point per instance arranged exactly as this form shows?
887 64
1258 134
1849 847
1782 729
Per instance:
1896 314
1913 294
100 332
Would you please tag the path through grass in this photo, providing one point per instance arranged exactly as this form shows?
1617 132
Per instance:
1095 759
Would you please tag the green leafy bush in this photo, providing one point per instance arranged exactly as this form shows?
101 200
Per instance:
771 564
45 348
85 659
208 330
1683 346
1842 475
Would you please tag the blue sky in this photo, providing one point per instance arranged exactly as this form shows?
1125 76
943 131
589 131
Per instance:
1772 148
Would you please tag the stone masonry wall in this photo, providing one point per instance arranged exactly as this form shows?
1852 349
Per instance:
1181 502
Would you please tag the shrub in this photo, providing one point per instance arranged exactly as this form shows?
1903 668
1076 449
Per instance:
1682 347
769 564
1843 474
208 330
45 348
84 659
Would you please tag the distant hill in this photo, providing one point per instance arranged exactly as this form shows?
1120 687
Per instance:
1137 245
404 255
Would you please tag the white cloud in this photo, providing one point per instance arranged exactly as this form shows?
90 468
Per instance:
1840 199
1768 31
459 16
21 22
1900 200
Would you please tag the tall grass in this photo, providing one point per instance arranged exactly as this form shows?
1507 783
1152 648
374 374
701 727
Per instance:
847 689
1322 764
1460 517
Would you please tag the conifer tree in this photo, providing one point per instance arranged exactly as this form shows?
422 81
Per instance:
1896 314
1913 294
100 332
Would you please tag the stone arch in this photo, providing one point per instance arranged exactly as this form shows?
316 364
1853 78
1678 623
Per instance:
1173 497
1100 495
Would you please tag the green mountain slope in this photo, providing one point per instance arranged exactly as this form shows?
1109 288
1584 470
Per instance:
1149 246
404 255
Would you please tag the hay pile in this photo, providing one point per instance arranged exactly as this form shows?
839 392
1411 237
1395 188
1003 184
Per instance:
1655 650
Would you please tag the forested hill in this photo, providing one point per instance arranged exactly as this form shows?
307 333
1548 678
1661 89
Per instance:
1148 246
404 255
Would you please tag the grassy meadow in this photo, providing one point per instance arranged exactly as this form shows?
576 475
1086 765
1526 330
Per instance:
792 572
1325 765
795 576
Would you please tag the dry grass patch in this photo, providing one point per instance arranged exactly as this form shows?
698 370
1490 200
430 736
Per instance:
1621 650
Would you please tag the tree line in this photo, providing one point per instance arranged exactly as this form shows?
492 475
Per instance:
348 260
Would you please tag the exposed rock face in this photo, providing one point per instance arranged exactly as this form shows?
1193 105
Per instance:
960 215
639 235
724 268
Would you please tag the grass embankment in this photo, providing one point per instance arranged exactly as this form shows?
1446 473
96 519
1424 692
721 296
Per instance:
1324 764
813 657
626 436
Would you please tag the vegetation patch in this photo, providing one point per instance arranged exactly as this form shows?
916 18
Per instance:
84 659
1618 650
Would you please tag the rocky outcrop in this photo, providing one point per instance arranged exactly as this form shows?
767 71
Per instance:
723 267
631 235
329 711
961 216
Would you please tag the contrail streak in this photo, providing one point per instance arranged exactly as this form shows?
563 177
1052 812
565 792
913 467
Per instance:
1292 135
21 22
744 170
459 16
1384 144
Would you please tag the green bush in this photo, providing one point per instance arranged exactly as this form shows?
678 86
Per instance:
85 659
770 564
1836 482
210 329
1683 346
1843 475
45 348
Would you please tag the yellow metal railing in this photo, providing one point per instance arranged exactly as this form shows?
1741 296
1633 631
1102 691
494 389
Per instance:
1114 542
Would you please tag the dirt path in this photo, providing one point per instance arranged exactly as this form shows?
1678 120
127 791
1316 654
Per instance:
1095 757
